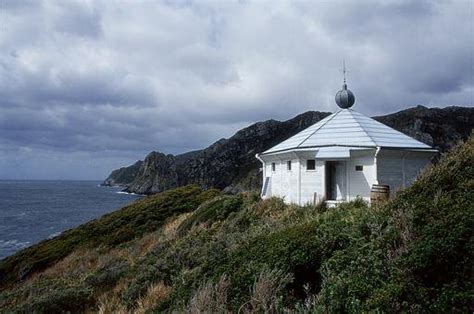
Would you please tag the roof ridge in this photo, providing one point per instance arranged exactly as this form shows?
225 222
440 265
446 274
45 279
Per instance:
330 118
367 133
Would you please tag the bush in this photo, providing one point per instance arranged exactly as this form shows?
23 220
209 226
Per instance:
74 299
213 210
48 296
108 275
420 253
412 254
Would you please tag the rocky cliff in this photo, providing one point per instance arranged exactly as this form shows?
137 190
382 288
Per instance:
230 164
124 175
439 127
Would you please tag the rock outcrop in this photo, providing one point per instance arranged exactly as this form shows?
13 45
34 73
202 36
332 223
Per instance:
124 175
230 164
439 127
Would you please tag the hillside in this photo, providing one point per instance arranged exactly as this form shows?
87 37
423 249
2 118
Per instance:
227 164
195 250
230 164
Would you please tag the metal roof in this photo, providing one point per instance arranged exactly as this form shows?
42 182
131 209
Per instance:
347 127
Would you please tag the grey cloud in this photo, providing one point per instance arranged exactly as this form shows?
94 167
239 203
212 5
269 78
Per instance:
99 84
20 6
76 18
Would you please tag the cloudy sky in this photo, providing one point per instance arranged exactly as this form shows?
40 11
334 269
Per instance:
89 86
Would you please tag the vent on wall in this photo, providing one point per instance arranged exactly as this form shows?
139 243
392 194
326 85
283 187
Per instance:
359 168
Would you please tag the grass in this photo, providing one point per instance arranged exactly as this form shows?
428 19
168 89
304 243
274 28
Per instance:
110 230
201 251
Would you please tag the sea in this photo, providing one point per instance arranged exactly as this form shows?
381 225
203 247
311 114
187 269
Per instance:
31 211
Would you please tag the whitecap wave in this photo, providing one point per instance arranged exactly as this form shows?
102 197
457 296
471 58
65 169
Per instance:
13 244
128 193
53 235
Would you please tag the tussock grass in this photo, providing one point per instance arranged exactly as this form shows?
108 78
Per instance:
210 297
204 252
111 304
156 294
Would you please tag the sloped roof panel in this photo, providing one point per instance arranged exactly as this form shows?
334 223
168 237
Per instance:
385 136
297 139
348 128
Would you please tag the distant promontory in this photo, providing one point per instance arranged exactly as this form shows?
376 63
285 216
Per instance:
230 164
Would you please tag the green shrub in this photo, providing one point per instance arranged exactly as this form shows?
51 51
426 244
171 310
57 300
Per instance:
107 275
72 299
420 253
48 296
412 254
213 210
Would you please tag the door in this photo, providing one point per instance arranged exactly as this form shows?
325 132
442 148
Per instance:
335 180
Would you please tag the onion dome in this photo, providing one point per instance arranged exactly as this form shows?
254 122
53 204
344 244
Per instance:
345 98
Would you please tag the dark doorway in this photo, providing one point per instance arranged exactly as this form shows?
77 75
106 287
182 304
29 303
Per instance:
335 180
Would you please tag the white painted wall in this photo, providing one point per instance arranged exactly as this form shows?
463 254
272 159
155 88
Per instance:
395 168
275 176
398 169
311 180
299 184
360 182
283 182
390 169
289 181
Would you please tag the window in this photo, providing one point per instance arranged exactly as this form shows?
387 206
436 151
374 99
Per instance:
273 166
288 165
359 168
310 164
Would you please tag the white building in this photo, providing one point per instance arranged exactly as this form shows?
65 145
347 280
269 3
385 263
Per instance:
341 158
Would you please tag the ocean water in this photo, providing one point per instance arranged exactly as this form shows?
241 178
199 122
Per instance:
31 211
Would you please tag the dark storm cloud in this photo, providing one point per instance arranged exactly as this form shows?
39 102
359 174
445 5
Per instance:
88 86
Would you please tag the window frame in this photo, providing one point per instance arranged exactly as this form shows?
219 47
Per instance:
307 164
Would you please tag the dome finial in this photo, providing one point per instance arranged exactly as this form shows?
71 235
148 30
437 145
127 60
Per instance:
344 98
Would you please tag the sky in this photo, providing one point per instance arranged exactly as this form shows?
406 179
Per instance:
89 86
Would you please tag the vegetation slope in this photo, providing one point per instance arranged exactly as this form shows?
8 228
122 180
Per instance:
194 250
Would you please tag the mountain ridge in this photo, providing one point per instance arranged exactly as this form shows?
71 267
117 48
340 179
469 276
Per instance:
230 164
